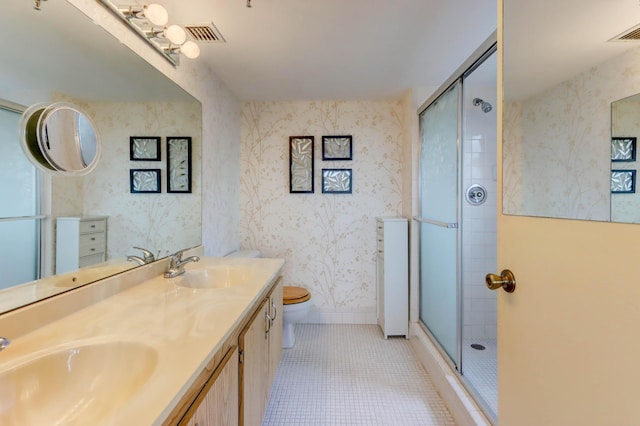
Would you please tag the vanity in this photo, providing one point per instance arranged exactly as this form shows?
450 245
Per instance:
138 348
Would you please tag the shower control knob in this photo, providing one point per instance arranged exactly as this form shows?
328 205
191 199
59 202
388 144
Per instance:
476 194
506 280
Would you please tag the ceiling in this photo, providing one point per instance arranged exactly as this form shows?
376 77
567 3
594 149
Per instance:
59 49
548 41
336 49
325 49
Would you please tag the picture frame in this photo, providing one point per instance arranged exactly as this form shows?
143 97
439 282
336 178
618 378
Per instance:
144 148
144 181
623 149
335 148
337 181
179 164
301 155
623 181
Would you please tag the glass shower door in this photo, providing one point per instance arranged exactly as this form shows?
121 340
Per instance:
438 220
19 207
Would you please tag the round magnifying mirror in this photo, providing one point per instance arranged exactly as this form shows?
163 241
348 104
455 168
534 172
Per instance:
60 139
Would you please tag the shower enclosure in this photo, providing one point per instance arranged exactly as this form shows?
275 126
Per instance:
457 225
19 206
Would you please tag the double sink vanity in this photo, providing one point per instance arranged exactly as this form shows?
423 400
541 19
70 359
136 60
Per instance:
200 348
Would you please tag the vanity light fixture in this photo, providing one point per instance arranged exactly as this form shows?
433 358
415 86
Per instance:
173 33
154 13
151 23
37 4
190 49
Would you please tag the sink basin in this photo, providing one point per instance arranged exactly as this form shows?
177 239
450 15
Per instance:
215 277
90 274
81 385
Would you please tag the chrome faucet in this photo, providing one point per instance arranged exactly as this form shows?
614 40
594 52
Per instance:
176 264
138 260
4 342
148 257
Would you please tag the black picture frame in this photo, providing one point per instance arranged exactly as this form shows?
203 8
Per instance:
179 164
337 148
144 181
623 181
301 156
337 181
144 148
623 149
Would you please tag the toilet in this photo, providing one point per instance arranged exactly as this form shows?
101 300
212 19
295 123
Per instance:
297 303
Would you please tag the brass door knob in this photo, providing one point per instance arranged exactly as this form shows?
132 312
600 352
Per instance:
506 280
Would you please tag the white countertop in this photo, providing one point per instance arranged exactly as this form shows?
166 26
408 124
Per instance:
183 327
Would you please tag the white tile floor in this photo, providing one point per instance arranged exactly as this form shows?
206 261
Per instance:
480 369
340 374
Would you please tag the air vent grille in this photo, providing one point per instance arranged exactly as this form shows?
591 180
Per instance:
632 34
206 33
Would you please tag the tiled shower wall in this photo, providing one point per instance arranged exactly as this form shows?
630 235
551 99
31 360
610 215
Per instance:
479 244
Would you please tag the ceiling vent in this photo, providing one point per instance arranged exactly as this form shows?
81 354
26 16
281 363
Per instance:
632 34
207 33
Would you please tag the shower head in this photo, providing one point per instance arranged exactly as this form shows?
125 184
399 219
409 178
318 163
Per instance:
484 106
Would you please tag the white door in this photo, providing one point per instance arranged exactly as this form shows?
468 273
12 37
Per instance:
569 336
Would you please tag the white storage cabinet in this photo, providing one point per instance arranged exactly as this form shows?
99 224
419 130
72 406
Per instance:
392 236
80 242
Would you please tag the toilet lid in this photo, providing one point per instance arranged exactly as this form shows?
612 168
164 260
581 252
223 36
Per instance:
293 295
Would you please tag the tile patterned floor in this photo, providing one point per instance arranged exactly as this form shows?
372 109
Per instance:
481 370
340 374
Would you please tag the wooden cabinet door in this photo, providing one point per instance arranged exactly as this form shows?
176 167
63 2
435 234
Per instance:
275 332
219 407
254 372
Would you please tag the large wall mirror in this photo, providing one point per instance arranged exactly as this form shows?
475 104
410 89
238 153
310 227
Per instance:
564 121
57 54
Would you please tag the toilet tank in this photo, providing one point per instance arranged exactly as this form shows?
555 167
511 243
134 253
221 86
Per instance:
244 253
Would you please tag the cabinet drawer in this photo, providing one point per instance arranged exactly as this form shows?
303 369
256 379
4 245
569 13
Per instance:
91 260
91 240
92 226
91 249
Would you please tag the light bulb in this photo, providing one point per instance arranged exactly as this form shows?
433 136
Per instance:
190 50
156 14
175 34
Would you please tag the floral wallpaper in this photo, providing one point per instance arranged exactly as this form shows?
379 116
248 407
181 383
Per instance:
327 240
220 132
145 220
625 122
557 144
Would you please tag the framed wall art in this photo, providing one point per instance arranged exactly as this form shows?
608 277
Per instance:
144 148
301 164
337 148
623 149
623 181
179 164
337 181
144 181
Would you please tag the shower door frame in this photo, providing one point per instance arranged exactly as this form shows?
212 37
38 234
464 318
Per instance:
457 362
486 49
40 191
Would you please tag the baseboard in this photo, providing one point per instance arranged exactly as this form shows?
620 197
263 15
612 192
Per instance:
463 408
343 316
